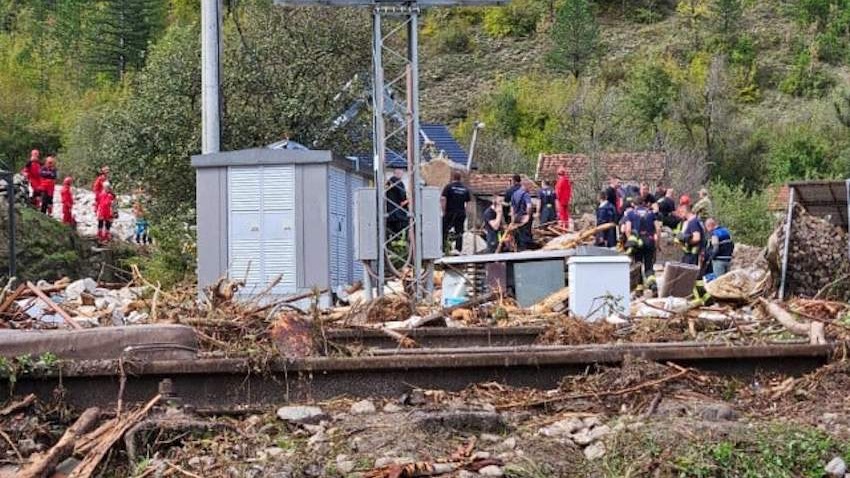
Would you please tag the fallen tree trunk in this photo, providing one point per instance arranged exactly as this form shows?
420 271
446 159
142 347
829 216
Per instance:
813 330
415 322
42 465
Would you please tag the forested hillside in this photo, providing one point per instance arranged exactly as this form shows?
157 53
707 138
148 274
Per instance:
742 92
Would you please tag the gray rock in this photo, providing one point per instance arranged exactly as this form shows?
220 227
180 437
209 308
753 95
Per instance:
363 407
464 420
491 470
836 468
595 451
301 414
592 421
344 465
391 460
508 444
481 455
829 418
466 474
598 433
561 428
28 446
582 438
415 398
75 289
718 412
391 407
490 438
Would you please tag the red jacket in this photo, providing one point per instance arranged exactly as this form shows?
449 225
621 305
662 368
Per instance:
104 206
48 179
67 198
563 190
97 187
33 173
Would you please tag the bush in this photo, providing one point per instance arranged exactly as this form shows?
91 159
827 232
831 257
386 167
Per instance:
517 19
745 214
806 79
454 37
798 154
172 259
831 47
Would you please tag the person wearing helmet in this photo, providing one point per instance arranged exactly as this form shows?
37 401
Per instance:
48 184
67 197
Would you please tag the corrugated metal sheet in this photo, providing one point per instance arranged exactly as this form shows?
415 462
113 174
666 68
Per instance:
826 199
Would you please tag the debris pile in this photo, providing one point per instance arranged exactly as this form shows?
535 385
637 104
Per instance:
818 265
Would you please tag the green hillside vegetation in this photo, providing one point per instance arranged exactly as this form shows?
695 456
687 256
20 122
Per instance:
742 93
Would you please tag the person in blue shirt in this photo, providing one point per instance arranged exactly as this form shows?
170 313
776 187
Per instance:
509 195
718 252
606 213
692 237
521 216
641 236
548 211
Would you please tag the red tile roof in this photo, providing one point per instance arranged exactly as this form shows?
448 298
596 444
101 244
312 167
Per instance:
487 184
629 167
777 198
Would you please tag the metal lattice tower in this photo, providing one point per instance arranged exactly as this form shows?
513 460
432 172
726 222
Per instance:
394 24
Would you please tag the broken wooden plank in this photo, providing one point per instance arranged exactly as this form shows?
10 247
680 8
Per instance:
42 465
14 407
59 310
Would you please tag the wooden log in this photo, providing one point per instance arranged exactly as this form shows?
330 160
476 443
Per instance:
59 310
42 465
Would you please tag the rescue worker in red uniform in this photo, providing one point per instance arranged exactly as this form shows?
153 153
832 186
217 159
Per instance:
32 171
105 213
563 194
97 186
48 184
68 202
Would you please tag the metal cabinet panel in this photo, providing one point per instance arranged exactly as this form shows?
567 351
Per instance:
340 268
432 224
261 205
365 225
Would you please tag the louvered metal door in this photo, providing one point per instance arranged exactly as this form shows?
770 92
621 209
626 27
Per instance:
338 227
262 227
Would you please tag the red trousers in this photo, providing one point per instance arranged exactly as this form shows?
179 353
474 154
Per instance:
564 214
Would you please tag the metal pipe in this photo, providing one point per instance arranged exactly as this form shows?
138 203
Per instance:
210 76
789 217
378 143
475 129
415 147
10 198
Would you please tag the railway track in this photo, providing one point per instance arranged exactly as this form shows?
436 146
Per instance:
219 385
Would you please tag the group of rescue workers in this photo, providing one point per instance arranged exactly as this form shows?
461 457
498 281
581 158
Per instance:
42 175
639 215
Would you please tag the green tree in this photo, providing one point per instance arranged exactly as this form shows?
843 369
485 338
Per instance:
119 34
726 23
575 37
799 154
695 13
650 93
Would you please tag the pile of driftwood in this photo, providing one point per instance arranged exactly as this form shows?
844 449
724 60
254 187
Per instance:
82 440
817 257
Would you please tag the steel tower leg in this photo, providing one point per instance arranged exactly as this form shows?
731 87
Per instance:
379 142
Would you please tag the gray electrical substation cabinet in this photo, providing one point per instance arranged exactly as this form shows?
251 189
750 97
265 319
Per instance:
264 213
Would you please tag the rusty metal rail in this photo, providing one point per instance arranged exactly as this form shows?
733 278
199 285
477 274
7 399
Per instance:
439 337
230 384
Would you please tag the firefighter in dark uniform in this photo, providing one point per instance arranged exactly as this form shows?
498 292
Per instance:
641 236
453 201
548 211
509 195
720 247
691 236
521 210
606 213
493 223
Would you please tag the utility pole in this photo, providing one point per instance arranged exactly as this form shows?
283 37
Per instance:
210 76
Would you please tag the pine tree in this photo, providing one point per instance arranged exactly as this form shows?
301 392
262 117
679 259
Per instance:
119 33
575 36
726 22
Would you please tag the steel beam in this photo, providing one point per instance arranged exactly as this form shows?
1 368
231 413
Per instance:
229 384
